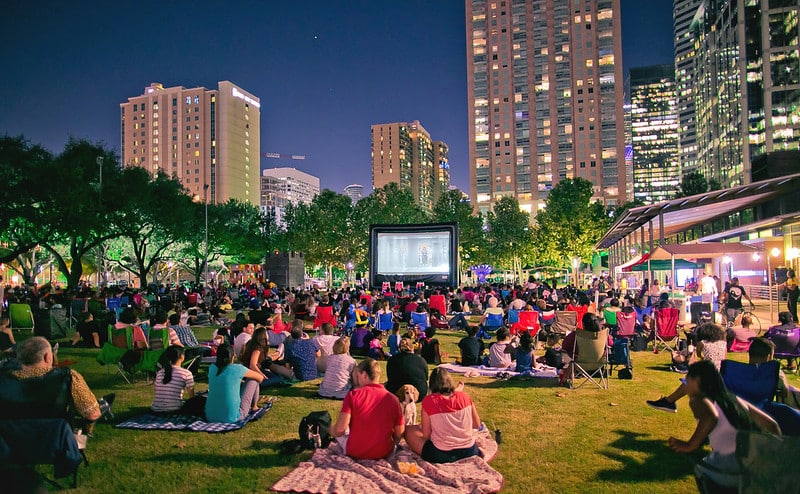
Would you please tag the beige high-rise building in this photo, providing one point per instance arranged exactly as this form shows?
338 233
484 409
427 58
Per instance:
403 153
208 139
441 163
546 99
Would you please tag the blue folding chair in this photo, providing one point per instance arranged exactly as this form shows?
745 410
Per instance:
492 324
385 322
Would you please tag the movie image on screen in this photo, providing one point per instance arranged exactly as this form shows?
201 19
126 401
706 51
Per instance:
414 253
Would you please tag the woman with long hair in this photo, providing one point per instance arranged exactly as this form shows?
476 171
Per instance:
171 382
255 357
230 398
720 414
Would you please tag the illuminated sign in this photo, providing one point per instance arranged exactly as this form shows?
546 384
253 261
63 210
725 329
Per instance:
247 99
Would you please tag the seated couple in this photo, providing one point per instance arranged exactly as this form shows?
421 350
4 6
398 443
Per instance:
371 422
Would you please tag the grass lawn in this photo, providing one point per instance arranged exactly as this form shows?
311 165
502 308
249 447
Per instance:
589 440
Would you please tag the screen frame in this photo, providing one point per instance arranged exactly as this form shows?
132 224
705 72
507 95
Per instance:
448 279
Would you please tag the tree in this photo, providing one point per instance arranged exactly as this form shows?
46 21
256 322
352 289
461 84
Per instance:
19 195
693 183
451 208
71 209
321 230
570 225
152 217
387 205
509 234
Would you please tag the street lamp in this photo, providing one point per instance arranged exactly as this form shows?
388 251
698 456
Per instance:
775 252
576 263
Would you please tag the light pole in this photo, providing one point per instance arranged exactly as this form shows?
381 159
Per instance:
576 263
205 259
100 210
775 252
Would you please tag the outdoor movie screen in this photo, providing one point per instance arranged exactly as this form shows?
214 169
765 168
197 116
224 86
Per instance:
414 253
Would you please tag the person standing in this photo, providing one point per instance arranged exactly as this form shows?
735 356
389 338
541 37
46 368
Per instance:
792 293
733 295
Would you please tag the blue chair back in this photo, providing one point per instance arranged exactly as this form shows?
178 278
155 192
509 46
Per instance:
494 321
112 304
640 312
513 316
385 322
420 319
754 383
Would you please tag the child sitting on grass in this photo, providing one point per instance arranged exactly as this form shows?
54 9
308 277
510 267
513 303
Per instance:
376 346
524 353
394 340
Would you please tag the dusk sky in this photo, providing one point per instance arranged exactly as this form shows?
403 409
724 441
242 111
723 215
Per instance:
324 70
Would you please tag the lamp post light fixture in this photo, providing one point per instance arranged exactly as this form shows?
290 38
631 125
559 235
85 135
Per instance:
576 263
775 252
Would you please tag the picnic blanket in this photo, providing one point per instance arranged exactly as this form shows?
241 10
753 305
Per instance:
482 370
175 422
330 471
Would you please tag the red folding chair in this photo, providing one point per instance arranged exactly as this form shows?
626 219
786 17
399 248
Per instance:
666 334
366 301
438 303
528 321
581 310
324 314
626 324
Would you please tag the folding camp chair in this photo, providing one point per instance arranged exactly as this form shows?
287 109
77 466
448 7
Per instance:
626 325
641 312
564 322
787 342
591 359
527 321
120 342
438 302
766 463
385 322
324 314
493 323
21 316
666 333
752 382
610 317
512 317
580 310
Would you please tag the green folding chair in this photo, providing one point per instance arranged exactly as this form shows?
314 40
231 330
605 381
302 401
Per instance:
21 316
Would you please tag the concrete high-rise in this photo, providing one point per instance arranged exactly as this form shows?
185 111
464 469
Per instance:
746 84
281 186
403 153
654 133
209 140
545 99
683 11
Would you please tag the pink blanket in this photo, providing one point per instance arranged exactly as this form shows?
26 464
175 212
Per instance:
330 471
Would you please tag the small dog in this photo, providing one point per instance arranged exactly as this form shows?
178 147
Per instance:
408 396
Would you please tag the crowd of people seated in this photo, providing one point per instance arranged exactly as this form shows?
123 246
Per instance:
267 344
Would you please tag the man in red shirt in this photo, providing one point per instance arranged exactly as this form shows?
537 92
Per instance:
371 413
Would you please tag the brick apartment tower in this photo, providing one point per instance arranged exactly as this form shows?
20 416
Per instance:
404 153
209 139
546 98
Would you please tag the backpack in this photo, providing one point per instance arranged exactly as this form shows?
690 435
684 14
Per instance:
314 430
639 343
554 358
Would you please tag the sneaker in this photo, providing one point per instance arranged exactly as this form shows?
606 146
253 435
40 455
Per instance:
663 404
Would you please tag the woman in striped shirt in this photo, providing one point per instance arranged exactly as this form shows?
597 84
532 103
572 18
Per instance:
171 381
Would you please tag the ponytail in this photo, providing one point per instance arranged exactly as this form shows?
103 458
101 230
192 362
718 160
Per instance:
170 357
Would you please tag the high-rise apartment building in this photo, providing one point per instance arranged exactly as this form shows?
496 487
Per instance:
208 139
746 84
354 192
654 133
441 163
683 11
546 99
404 153
281 186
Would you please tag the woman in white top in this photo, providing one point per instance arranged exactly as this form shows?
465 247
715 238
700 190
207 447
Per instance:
719 415
338 376
171 382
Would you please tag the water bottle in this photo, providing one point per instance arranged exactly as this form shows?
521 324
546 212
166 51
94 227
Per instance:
498 436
